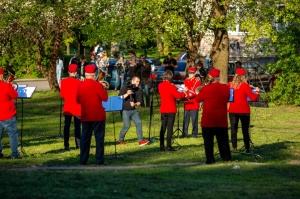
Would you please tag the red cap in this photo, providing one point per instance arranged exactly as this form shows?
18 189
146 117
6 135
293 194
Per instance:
72 68
1 71
214 72
192 69
90 68
240 71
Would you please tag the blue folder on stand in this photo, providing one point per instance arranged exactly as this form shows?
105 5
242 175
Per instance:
231 98
114 103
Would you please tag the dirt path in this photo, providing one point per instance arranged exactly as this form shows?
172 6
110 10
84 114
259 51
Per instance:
102 167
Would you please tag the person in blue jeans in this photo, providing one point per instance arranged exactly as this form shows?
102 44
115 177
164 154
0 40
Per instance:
120 72
132 96
8 113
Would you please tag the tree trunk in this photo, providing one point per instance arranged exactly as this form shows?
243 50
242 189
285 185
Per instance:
220 53
41 54
220 47
160 47
51 76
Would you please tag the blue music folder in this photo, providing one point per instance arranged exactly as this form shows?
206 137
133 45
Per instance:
231 98
114 103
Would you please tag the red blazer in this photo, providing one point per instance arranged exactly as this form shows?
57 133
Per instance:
90 95
68 92
215 97
191 84
7 104
240 103
168 95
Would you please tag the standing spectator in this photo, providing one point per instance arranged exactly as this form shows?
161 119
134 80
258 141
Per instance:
133 61
8 113
83 63
168 95
59 69
239 109
238 64
201 73
214 121
103 64
191 107
75 60
98 49
90 96
143 71
68 92
132 95
170 63
93 62
121 70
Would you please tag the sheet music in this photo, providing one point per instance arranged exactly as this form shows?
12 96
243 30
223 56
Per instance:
25 92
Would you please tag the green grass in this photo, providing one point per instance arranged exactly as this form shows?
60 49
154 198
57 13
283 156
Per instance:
43 171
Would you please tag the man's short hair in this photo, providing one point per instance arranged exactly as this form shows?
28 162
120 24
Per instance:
238 62
170 54
168 75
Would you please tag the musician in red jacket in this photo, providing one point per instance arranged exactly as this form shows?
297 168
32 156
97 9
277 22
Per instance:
90 95
214 122
8 113
239 109
191 107
168 94
68 91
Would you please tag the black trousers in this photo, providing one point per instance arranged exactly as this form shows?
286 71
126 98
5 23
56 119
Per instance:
85 141
167 123
77 125
221 134
234 121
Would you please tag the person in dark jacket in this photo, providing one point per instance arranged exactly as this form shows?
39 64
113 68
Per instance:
132 96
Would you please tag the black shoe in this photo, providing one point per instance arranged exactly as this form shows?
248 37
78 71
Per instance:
183 136
67 148
102 163
194 136
248 151
162 148
16 157
170 149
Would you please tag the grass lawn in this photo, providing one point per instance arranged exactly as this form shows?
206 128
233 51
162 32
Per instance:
48 171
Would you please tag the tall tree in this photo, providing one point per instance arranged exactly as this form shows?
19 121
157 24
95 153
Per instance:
38 26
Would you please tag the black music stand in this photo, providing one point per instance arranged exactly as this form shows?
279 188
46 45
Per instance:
151 116
60 116
177 129
24 92
114 103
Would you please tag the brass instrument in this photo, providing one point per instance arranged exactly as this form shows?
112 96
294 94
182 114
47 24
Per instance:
10 79
105 84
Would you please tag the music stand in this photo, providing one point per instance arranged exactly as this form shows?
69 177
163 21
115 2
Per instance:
177 129
151 115
114 103
24 92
